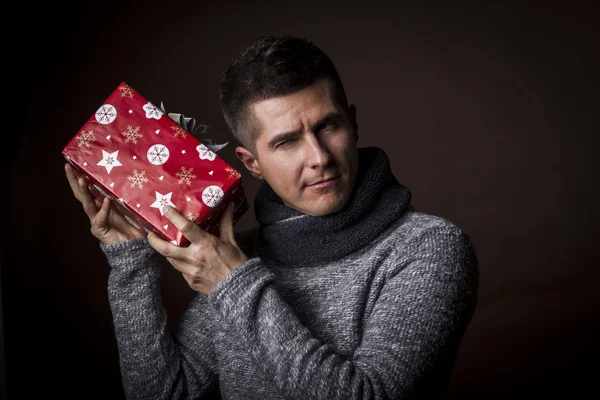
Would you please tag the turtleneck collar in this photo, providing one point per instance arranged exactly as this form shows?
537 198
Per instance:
292 238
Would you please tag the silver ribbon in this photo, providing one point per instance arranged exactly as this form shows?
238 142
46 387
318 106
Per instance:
189 124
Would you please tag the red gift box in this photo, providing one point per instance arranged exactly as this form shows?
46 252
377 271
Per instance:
135 154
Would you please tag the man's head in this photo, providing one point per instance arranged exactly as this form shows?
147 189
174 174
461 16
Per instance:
285 103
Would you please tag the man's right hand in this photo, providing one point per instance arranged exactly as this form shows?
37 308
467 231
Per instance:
107 226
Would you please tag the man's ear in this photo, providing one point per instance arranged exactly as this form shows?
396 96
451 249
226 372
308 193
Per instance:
249 161
353 121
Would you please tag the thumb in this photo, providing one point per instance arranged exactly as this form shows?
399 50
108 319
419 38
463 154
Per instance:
226 225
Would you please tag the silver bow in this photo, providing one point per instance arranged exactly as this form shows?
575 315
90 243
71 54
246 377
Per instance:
189 124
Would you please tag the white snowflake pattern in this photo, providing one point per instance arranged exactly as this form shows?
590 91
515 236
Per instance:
205 153
138 178
85 138
132 134
158 154
185 175
152 111
212 195
106 114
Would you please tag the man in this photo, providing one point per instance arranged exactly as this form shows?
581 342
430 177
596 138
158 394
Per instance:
349 292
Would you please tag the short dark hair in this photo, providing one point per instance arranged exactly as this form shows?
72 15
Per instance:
271 66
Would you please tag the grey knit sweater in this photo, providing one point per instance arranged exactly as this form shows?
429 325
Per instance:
383 322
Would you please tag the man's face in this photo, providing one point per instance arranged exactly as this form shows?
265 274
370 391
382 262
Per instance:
306 150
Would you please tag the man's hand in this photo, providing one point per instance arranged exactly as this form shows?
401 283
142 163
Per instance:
207 259
107 226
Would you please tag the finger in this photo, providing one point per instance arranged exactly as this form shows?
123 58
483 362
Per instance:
226 225
101 219
86 198
189 229
183 267
166 248
189 280
70 172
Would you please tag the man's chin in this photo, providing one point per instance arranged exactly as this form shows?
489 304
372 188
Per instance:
325 209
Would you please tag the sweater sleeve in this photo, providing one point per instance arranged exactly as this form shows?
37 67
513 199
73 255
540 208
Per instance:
412 334
154 363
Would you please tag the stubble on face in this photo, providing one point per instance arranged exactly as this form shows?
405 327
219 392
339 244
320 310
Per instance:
306 137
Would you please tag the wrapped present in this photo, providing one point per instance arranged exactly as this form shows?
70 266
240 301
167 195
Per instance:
143 158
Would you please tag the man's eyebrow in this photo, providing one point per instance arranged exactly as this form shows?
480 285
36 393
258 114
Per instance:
329 117
333 116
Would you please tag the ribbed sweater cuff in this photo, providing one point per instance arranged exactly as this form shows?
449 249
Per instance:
128 255
237 283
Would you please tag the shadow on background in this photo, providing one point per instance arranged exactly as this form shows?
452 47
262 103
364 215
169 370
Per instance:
488 113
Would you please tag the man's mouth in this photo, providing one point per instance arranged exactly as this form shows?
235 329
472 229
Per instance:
327 182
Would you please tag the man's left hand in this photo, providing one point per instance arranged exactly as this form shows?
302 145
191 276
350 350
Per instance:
207 259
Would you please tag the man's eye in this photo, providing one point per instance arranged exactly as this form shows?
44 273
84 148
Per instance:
330 125
286 143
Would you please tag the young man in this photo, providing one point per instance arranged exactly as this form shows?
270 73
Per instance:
349 293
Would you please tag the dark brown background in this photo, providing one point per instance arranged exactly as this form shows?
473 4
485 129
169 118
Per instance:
488 113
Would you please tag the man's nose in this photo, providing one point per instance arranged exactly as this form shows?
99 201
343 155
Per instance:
318 153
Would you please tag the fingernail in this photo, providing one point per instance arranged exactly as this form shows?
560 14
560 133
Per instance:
165 208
